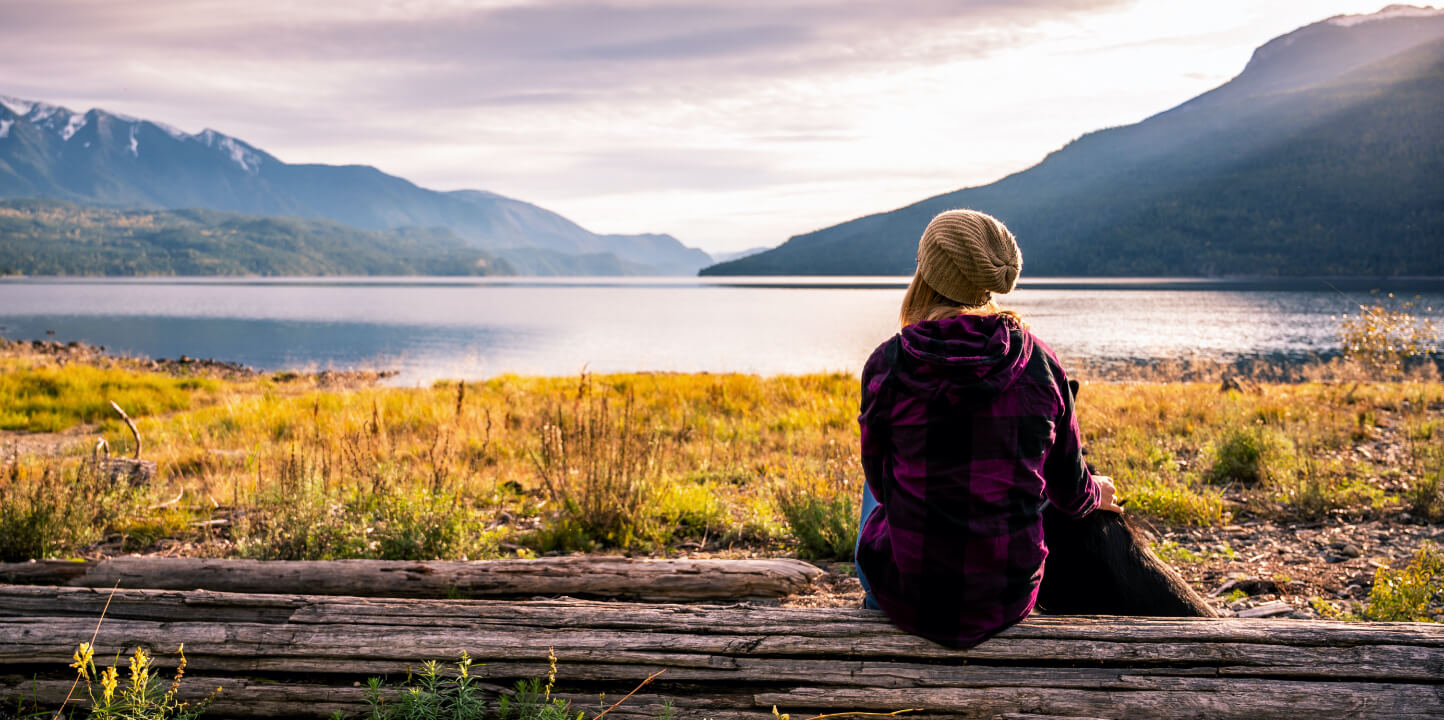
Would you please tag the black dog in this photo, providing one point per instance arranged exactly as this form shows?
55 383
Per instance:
1101 565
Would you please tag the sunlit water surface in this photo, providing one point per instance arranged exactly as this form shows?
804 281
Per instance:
443 328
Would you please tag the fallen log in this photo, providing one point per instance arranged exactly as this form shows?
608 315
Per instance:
585 577
309 656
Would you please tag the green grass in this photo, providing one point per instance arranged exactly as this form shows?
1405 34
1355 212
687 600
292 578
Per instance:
1180 500
1175 554
44 398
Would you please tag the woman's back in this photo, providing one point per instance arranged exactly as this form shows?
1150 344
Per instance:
967 425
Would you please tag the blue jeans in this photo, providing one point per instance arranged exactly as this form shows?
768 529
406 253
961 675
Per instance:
868 503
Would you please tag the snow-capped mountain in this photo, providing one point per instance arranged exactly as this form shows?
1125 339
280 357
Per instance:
105 158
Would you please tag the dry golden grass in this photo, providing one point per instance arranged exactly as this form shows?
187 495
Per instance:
651 461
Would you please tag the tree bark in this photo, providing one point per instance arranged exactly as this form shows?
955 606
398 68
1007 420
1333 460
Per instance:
593 577
310 655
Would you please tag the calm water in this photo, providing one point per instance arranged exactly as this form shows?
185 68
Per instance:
443 328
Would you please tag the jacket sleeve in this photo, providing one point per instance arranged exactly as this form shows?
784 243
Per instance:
873 424
1067 481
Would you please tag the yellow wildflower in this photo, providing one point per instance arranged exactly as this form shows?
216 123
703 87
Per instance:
108 680
139 672
551 671
83 660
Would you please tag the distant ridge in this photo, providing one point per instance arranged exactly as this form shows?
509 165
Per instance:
106 159
1325 156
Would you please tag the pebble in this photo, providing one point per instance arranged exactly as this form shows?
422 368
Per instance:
1350 550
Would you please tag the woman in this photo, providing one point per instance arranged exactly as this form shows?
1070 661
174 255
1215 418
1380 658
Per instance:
967 427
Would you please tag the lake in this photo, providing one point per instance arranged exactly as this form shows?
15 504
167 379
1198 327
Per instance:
432 328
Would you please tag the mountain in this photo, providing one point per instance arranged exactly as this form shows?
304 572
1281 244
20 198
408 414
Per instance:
722 257
53 237
106 159
1325 156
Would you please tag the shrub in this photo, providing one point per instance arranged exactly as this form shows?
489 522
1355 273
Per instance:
1252 454
1381 340
1405 595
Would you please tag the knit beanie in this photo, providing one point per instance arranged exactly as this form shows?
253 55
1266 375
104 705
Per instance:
966 256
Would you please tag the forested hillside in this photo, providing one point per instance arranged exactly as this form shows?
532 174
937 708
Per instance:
49 237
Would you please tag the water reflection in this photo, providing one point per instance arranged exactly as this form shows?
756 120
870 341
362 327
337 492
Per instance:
434 328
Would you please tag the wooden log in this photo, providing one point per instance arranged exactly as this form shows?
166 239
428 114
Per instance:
743 619
1175 698
735 662
595 577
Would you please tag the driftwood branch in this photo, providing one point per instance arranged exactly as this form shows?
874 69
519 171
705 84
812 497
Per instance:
134 433
593 577
735 662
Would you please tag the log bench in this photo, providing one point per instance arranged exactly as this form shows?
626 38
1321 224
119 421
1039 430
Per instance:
307 656
683 580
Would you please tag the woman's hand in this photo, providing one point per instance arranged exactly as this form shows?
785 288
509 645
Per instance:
1105 499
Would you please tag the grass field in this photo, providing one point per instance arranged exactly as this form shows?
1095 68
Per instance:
272 468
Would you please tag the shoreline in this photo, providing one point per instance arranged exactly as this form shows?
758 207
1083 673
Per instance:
1261 283
1272 368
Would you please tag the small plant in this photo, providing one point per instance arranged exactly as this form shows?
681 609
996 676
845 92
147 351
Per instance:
824 525
1406 595
1327 611
600 467
430 694
143 697
1425 496
1173 553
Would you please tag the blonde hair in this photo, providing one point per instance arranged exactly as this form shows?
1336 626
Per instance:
923 303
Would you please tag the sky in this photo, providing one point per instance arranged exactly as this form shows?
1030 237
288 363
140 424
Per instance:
727 123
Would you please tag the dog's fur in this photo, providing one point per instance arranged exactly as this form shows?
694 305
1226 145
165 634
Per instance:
1101 565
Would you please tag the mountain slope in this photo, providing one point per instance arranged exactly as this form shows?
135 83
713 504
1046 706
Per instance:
52 237
1275 172
106 159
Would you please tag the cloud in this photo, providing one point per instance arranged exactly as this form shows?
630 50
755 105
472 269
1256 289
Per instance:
590 103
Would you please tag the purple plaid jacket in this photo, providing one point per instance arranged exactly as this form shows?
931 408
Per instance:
967 425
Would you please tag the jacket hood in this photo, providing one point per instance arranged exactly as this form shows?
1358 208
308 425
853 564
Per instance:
968 358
